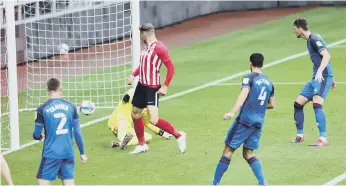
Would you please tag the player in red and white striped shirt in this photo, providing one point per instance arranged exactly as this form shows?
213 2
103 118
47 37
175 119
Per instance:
148 90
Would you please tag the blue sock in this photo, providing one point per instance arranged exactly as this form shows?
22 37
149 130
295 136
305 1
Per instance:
257 170
220 169
299 117
320 119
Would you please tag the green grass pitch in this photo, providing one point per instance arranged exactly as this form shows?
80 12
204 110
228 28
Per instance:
200 113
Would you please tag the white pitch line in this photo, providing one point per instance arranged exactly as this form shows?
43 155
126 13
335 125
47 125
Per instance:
340 46
274 83
199 87
336 180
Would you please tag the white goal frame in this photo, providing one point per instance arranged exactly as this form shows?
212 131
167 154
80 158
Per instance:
11 23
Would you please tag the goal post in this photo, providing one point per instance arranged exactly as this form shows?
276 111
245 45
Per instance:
91 46
11 86
136 41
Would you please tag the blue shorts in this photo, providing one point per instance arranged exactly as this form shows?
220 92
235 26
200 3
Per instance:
313 88
50 168
240 134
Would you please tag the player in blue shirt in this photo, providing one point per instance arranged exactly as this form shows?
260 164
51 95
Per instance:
60 119
257 95
316 90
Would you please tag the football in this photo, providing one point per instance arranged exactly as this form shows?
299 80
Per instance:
63 48
87 107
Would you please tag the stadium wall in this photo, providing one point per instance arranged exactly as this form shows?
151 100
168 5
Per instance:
165 13
160 13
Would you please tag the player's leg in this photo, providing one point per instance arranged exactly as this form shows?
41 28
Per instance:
124 139
134 140
139 103
166 126
43 182
48 170
235 136
66 172
223 164
138 124
249 146
5 170
320 94
153 112
125 133
148 137
114 144
112 125
152 127
304 97
68 182
255 165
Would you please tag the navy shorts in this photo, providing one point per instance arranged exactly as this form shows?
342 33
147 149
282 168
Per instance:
51 168
313 88
240 134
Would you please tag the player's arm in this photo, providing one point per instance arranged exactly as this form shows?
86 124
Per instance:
133 75
240 100
322 50
136 72
78 137
122 126
271 103
39 124
325 59
78 132
246 85
166 60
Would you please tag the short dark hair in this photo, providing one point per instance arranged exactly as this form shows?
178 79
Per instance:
147 27
301 22
256 60
53 84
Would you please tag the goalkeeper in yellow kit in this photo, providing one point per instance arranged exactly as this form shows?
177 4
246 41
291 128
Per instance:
121 124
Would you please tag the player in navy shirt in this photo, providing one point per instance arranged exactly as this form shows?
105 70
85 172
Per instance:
316 90
257 95
60 119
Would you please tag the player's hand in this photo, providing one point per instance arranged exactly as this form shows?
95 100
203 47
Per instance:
334 85
130 80
42 137
319 78
162 91
228 116
83 158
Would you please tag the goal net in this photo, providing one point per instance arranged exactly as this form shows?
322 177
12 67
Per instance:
4 106
86 44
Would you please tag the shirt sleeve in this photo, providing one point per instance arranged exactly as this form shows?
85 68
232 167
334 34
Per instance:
318 45
166 60
75 115
246 82
79 137
39 124
136 72
162 53
272 92
39 118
